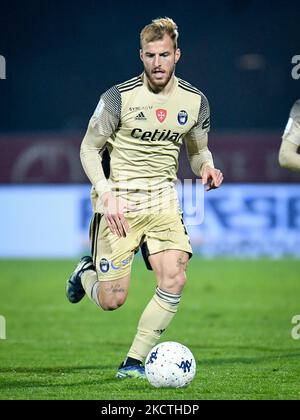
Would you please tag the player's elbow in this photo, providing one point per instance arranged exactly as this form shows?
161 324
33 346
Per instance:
283 159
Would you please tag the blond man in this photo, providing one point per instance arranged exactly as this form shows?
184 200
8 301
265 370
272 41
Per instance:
143 122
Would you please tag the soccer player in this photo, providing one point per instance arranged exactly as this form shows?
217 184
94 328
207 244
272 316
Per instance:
288 156
143 123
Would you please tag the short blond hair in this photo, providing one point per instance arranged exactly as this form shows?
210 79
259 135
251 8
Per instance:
157 29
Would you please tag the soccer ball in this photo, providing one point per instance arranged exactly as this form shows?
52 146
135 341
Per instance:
170 365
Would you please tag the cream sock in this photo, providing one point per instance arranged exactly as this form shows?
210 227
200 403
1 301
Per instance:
155 319
91 284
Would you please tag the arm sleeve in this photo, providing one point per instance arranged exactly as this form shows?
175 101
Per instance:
288 156
292 129
102 126
196 140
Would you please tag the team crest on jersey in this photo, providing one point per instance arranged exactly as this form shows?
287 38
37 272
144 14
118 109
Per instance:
161 114
182 117
104 265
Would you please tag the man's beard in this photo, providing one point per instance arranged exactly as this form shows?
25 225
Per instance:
159 84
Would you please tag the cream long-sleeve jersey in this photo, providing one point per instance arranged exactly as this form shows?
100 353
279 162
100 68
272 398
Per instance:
144 132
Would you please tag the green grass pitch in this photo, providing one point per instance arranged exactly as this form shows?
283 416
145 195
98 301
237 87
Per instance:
235 316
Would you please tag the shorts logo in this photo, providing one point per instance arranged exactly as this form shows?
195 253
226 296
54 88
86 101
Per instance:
104 265
116 265
182 117
161 114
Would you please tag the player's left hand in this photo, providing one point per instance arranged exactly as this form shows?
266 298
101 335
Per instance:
212 177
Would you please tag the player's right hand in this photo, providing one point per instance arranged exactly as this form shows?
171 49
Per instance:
212 177
114 214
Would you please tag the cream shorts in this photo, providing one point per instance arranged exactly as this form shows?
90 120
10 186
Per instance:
152 233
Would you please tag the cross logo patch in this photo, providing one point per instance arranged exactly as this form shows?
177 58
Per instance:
161 115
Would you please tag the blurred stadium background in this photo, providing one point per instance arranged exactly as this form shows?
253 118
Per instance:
60 56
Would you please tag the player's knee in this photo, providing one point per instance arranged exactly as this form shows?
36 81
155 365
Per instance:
112 304
109 307
113 294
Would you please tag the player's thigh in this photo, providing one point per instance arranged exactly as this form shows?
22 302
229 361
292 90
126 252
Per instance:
167 248
169 267
112 255
112 258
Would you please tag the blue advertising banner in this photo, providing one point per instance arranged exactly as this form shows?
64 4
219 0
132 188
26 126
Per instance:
238 220
246 220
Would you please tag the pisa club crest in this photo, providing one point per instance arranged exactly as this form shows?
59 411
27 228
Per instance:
182 117
104 265
161 115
